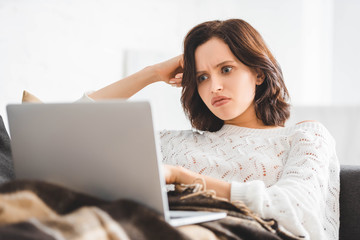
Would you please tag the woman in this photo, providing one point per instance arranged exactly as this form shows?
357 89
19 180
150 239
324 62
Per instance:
233 92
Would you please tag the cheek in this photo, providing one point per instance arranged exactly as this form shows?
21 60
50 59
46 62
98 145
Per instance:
245 89
203 93
201 90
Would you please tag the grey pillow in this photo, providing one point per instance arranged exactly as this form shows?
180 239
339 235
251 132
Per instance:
6 163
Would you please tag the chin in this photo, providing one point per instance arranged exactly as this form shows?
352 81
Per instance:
226 117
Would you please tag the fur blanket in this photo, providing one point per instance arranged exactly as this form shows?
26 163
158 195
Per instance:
40 210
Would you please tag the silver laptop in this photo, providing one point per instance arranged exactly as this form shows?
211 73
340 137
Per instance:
106 149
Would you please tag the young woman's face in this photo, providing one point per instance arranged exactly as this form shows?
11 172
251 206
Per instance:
225 84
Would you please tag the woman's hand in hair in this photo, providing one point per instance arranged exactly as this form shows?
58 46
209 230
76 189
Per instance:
170 71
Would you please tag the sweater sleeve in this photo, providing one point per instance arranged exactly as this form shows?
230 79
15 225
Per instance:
305 200
85 98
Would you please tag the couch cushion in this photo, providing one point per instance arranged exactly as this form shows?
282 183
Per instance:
349 202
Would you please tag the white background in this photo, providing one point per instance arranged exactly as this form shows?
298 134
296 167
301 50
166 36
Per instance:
58 49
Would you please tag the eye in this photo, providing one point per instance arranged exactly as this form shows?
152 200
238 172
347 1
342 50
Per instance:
226 69
202 78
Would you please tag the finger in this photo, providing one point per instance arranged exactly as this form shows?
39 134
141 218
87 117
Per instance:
175 81
179 75
178 78
175 84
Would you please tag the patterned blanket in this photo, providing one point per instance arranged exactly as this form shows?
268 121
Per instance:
40 210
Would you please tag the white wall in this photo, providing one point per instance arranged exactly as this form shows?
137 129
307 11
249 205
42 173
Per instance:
346 62
57 49
317 53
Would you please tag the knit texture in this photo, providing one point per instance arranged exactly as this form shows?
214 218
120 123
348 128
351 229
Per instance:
290 174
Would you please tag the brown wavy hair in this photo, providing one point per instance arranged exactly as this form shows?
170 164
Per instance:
248 46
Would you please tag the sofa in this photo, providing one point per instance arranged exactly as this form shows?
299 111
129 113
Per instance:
349 202
349 189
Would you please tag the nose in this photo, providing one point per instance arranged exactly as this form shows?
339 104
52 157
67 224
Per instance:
216 85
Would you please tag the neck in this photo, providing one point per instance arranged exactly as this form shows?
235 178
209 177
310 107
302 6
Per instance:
248 119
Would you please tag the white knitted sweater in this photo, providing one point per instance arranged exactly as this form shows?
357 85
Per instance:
290 174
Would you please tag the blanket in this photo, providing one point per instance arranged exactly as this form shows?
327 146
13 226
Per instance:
6 164
41 210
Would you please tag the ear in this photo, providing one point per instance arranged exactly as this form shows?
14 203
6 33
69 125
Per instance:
260 76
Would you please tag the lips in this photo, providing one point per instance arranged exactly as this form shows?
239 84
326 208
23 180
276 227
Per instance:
220 100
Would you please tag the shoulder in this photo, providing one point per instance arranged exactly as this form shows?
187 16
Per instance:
314 131
308 125
306 121
311 125
312 139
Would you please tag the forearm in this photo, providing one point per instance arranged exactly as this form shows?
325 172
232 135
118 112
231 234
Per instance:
169 71
221 188
128 86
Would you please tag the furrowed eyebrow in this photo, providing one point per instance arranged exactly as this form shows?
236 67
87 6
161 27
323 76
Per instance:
218 65
225 62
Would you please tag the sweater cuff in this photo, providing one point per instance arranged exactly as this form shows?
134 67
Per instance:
86 98
238 191
245 192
